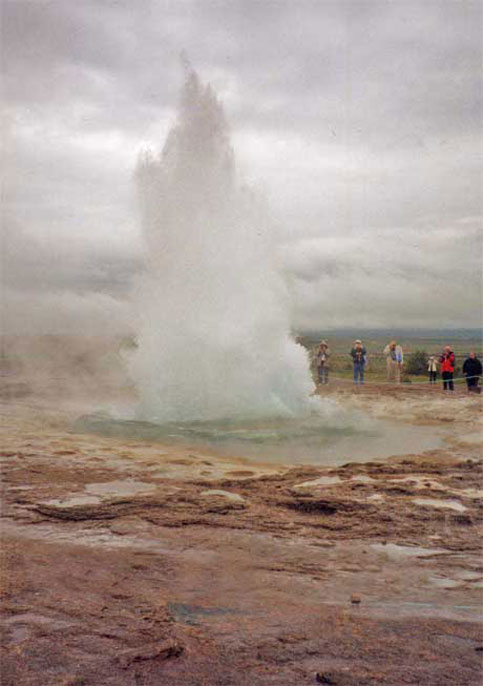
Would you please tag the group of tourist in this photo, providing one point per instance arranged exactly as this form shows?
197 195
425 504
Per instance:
472 367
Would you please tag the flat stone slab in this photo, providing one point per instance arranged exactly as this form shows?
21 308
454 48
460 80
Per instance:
443 504
322 481
227 495
218 500
395 551
120 488
71 501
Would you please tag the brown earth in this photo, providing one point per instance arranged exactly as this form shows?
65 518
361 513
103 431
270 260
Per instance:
128 562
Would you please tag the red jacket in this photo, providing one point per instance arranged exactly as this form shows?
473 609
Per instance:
447 362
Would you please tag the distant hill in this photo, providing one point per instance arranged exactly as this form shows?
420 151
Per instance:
432 334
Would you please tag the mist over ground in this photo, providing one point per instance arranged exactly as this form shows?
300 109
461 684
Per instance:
359 122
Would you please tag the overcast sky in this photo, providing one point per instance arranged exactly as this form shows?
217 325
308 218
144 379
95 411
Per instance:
360 121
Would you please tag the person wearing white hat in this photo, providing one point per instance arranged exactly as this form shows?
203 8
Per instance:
394 361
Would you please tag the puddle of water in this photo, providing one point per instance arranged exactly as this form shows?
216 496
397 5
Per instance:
474 438
73 501
423 482
307 440
321 481
97 492
38 620
472 492
103 538
447 504
192 614
120 488
232 497
443 582
466 575
363 478
399 552
331 480
395 609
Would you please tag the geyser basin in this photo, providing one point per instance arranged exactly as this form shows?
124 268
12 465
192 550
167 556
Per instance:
307 440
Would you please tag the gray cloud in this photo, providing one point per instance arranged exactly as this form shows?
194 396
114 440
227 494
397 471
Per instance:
360 120
422 277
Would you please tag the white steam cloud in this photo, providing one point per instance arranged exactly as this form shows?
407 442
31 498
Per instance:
213 318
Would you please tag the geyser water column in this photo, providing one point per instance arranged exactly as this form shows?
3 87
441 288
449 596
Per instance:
213 332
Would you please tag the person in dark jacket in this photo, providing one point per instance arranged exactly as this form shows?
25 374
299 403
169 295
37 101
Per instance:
447 368
472 369
359 357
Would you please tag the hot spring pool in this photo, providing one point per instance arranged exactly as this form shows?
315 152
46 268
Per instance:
285 441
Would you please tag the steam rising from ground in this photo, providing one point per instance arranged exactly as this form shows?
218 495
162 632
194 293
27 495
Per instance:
213 319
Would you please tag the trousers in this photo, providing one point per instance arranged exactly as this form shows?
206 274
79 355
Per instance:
393 371
359 372
448 384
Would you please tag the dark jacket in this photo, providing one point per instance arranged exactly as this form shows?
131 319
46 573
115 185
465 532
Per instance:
472 367
359 355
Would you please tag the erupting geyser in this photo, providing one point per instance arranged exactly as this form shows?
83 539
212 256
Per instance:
213 332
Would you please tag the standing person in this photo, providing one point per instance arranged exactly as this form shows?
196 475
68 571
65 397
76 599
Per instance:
394 361
472 369
322 362
432 369
447 368
359 357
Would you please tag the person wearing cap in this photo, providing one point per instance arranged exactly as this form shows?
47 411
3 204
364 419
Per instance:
394 361
322 355
359 358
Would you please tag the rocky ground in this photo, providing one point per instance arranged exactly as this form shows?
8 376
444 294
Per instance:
128 562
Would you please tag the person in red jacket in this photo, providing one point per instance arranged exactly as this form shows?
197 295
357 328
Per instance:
447 368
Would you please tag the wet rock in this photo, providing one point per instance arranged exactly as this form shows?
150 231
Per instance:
77 512
328 506
241 473
232 497
326 678
350 568
322 543
217 500
316 484
311 506
462 519
343 678
339 679
73 681
161 651
86 506
120 488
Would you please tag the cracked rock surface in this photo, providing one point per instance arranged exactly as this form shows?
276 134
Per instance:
128 562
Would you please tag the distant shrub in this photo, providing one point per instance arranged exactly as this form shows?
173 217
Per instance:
417 363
